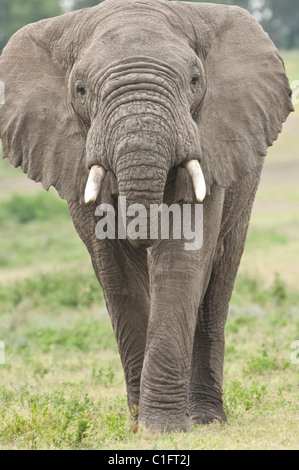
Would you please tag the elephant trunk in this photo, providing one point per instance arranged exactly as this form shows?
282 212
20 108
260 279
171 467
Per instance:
140 140
144 148
143 155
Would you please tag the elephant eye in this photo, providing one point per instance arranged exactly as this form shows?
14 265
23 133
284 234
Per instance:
81 90
195 80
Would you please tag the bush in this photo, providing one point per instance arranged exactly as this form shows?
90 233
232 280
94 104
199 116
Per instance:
27 208
252 290
53 291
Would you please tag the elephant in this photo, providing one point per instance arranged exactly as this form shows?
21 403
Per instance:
159 102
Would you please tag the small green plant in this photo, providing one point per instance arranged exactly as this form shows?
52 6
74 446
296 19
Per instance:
40 369
82 428
279 290
263 363
239 398
102 375
115 420
249 289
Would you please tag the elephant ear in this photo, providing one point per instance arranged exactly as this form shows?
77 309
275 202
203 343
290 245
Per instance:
248 95
37 128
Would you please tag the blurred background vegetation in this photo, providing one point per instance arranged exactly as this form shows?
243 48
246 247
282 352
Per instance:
280 18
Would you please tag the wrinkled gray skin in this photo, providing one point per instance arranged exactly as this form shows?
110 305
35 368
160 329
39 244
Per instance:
139 86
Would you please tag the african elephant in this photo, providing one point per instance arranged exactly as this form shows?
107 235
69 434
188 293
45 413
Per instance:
153 101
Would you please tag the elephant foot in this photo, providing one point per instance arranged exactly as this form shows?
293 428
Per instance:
208 414
165 424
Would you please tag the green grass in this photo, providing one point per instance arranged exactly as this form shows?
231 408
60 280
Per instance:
63 386
36 230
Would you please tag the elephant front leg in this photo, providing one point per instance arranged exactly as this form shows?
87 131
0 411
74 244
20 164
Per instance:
123 273
174 303
129 318
128 306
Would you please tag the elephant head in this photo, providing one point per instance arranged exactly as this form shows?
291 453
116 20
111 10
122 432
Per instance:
138 91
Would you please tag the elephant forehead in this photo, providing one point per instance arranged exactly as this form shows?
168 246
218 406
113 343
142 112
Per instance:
140 35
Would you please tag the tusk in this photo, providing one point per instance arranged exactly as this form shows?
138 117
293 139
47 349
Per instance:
195 171
93 186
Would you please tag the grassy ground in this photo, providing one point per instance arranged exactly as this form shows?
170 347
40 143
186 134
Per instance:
62 385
